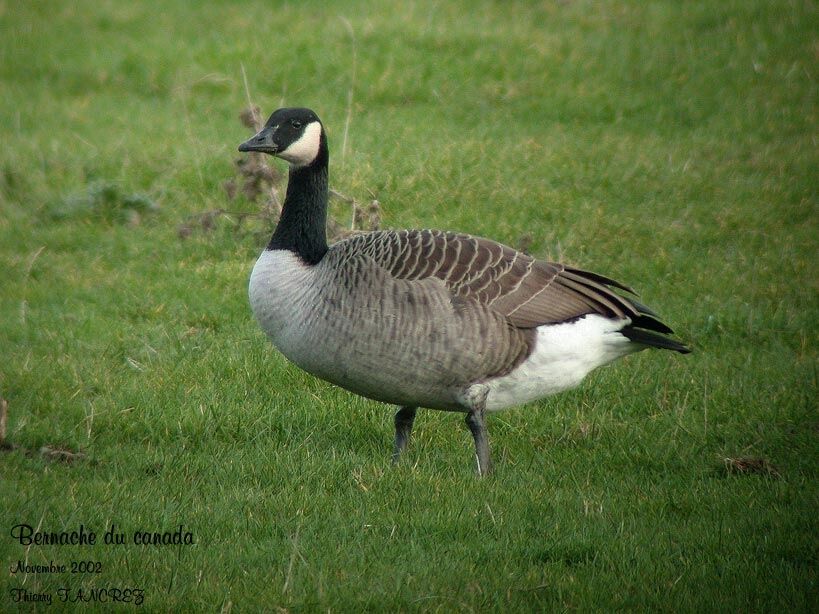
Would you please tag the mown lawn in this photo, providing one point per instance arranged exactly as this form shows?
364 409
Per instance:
670 145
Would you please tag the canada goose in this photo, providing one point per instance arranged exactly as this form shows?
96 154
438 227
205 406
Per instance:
424 318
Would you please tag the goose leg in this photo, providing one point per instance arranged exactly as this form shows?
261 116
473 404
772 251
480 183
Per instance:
477 426
403 428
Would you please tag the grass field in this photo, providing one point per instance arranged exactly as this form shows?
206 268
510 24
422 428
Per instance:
670 145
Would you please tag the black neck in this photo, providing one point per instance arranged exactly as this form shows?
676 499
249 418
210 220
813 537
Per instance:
302 227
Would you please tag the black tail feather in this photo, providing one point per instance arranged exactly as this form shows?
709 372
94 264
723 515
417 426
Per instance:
650 338
645 328
652 323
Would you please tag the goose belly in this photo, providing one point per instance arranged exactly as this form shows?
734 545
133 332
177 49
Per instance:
562 356
357 336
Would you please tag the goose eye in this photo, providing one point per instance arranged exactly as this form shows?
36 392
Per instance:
295 123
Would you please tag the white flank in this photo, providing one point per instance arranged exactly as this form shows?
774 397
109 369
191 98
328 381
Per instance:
564 354
305 150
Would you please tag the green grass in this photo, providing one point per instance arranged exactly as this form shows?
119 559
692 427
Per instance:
670 145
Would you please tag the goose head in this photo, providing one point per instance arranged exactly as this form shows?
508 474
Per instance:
293 134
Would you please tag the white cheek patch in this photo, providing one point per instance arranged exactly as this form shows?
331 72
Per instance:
305 150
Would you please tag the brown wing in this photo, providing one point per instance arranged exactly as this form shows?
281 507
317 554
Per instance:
527 291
